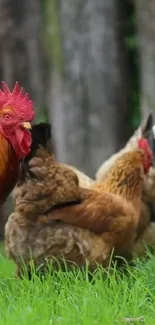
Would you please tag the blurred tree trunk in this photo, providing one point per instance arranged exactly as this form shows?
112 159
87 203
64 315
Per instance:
90 81
146 42
21 58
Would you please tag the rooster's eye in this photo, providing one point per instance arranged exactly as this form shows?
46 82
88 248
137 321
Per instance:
7 116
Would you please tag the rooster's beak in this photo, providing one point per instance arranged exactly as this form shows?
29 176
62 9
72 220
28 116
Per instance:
26 125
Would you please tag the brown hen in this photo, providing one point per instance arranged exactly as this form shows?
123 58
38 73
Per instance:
146 226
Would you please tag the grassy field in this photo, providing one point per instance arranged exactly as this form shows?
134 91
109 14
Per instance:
73 299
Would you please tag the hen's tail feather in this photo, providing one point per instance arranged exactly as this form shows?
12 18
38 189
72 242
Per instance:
41 135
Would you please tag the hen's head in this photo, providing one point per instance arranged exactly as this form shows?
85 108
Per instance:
16 113
147 157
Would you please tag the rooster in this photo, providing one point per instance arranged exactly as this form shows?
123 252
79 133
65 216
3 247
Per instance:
88 229
16 113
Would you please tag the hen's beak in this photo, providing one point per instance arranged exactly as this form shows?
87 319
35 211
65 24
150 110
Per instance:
26 125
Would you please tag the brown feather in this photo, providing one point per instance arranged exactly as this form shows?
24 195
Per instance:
9 169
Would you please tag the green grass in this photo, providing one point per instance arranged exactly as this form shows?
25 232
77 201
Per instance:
71 298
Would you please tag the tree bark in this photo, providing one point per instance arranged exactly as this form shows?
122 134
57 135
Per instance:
90 97
21 57
146 42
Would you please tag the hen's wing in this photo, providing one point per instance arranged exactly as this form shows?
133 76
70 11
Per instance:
98 213
51 185
46 185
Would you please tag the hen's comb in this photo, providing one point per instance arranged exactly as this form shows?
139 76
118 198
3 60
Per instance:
144 145
17 100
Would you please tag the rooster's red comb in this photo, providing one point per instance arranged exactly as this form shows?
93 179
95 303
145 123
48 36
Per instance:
17 100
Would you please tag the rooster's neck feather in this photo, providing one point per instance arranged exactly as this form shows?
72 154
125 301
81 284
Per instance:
9 167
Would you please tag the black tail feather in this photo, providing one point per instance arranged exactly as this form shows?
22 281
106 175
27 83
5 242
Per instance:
41 136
